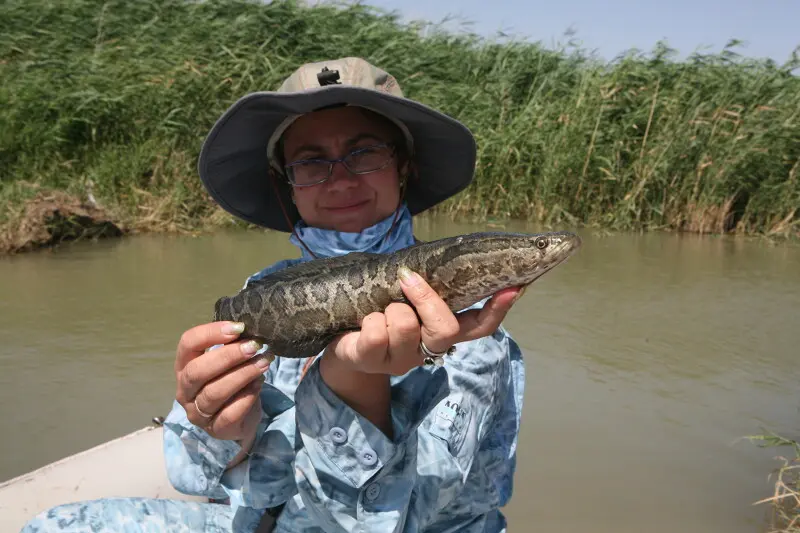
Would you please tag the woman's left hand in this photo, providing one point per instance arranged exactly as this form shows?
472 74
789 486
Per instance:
389 342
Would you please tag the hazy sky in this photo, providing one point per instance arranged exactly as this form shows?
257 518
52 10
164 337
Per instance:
771 28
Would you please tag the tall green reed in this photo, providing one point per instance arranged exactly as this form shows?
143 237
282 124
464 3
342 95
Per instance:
117 96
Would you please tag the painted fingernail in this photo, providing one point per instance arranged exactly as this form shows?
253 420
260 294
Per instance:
251 347
264 360
408 277
232 328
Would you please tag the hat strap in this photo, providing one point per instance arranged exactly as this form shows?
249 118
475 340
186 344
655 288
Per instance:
273 180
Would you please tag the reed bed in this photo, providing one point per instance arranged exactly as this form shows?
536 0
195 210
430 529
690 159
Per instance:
111 101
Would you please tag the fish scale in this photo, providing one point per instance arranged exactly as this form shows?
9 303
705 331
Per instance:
299 310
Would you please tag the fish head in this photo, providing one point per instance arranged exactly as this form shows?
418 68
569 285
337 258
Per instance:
469 268
515 259
547 250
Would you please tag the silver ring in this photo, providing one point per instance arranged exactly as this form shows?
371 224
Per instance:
434 358
204 415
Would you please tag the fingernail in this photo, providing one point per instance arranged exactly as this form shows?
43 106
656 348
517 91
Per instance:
232 328
264 361
251 347
407 277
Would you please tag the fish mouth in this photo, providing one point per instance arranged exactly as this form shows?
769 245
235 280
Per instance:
562 242
570 244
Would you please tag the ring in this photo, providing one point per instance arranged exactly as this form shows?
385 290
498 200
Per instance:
434 358
204 415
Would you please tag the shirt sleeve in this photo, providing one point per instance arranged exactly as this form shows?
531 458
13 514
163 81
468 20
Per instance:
265 478
196 462
499 449
475 479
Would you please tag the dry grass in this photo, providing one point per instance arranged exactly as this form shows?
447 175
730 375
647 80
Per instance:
784 516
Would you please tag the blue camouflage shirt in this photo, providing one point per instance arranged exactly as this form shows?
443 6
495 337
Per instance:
448 467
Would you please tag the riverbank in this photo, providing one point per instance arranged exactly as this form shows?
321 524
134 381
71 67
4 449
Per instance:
111 101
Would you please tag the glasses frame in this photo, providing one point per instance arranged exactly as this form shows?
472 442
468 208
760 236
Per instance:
331 162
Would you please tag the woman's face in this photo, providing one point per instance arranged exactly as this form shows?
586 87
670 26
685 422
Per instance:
346 202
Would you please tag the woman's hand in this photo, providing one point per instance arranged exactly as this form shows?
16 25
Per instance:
219 389
389 342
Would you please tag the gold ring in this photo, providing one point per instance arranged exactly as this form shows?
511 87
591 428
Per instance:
204 415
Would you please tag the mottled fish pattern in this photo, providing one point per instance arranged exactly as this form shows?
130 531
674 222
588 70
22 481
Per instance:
298 311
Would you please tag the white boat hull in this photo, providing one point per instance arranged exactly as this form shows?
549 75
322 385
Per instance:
130 466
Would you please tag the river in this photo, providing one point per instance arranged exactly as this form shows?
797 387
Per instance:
648 358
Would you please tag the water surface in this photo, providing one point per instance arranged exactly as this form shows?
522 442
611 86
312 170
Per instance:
648 358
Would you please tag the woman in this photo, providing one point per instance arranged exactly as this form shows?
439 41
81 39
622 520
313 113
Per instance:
366 434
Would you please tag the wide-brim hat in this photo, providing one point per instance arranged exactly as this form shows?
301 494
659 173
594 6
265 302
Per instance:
235 159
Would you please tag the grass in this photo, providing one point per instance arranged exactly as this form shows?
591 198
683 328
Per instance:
785 502
114 98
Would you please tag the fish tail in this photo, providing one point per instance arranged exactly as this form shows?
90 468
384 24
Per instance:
218 307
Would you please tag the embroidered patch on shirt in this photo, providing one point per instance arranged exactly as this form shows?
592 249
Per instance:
450 421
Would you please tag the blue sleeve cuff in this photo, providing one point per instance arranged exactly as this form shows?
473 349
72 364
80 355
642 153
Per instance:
266 477
195 460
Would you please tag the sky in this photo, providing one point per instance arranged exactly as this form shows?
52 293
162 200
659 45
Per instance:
770 28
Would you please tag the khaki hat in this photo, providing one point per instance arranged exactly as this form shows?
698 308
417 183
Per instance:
237 155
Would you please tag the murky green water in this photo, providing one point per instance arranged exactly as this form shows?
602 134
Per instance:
648 358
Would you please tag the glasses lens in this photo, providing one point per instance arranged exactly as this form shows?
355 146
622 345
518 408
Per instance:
368 159
309 172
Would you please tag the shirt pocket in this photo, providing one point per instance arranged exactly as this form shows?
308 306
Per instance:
451 423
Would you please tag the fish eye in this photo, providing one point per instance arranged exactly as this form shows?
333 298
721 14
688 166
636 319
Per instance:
541 243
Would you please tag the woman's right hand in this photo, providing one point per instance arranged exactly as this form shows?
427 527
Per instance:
219 389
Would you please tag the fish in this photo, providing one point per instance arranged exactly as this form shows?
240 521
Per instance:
296 312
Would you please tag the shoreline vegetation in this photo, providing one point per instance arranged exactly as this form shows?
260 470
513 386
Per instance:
104 107
784 514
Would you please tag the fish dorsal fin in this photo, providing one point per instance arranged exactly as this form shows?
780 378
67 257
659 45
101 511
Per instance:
314 267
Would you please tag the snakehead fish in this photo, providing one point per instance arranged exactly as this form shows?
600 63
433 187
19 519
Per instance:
299 310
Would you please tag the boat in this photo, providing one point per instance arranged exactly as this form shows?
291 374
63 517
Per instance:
136 459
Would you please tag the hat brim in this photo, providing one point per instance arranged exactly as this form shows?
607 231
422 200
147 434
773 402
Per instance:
234 167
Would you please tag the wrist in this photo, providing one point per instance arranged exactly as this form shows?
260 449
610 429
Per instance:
342 377
367 394
247 445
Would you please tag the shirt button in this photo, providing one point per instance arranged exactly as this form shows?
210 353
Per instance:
338 435
369 458
373 491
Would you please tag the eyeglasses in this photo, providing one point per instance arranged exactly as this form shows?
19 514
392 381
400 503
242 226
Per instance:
308 172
